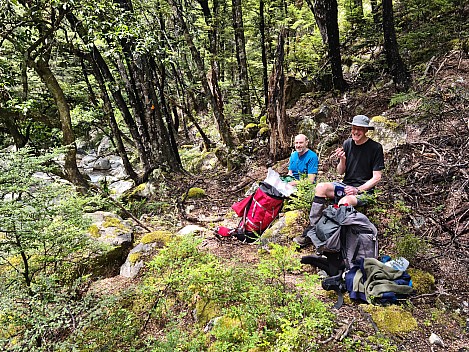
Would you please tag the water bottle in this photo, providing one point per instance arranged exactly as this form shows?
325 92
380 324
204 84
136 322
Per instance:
399 263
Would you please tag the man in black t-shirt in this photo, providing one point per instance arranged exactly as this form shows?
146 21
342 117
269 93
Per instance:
361 161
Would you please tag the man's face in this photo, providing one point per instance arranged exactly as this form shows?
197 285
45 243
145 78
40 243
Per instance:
300 144
358 134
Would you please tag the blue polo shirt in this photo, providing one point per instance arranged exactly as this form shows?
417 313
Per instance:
303 164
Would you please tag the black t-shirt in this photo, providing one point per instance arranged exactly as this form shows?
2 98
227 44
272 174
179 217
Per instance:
361 161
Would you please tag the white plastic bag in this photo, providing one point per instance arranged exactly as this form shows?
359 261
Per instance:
273 179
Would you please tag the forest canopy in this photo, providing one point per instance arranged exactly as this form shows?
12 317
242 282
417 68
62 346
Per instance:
146 73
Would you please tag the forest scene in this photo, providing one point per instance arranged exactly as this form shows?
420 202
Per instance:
129 128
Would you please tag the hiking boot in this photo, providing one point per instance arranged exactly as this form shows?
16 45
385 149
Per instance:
302 241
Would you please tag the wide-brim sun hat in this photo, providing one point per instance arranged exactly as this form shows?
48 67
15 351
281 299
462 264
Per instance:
361 121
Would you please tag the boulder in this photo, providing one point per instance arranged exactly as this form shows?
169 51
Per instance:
287 227
135 259
191 229
387 132
102 164
115 236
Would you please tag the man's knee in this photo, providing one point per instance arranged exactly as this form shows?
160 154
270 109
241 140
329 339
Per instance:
323 189
350 200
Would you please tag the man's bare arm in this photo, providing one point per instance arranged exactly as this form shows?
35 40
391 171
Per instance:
339 153
371 182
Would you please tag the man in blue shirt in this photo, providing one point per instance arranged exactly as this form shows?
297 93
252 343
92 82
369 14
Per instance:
303 161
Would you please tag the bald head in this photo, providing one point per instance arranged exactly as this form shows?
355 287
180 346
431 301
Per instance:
301 137
301 144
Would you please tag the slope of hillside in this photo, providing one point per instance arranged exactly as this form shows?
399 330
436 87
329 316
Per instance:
424 201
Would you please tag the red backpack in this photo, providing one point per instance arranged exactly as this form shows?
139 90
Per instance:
257 212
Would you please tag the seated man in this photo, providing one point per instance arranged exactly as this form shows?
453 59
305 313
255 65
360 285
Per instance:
302 161
361 159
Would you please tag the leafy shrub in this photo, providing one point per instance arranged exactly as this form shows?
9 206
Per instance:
303 197
42 249
410 246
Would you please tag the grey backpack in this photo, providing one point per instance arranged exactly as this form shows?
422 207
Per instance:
342 236
344 229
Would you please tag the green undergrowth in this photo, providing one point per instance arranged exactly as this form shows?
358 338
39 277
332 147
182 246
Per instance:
223 308
190 300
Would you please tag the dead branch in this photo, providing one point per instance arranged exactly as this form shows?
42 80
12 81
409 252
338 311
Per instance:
341 333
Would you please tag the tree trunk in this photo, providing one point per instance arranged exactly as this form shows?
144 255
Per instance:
276 108
68 137
116 132
150 110
354 12
217 98
8 120
115 92
241 59
122 106
265 78
396 66
213 95
326 16
318 9
334 45
375 11
187 111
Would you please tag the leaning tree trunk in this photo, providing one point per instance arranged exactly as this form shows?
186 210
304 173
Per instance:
9 120
122 106
171 146
276 108
241 59
116 132
68 137
318 9
150 109
116 92
181 87
396 66
215 100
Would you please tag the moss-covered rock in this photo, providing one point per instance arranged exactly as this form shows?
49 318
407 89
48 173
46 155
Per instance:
160 238
229 330
94 231
284 229
263 131
422 281
250 126
384 121
294 221
115 236
251 130
205 311
393 319
136 192
196 192
387 132
111 221
134 257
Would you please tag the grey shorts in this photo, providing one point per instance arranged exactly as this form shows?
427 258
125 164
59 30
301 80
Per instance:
362 198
